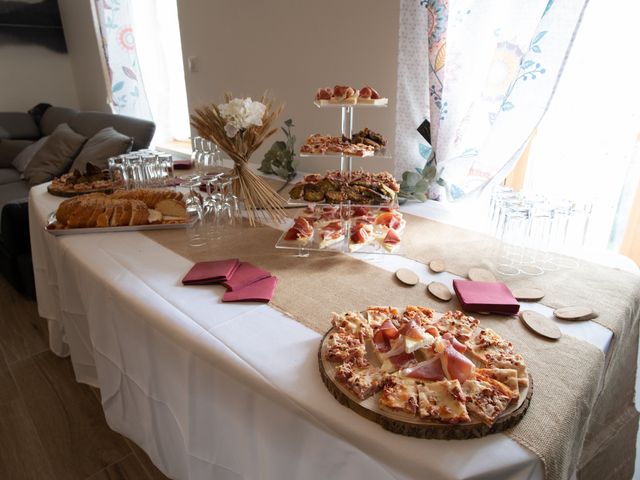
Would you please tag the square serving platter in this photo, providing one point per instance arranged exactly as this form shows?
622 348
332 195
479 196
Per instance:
127 228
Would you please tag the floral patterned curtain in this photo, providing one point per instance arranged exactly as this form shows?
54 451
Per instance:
128 95
493 70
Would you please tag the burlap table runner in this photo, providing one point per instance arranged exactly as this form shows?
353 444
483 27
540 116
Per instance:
566 373
614 294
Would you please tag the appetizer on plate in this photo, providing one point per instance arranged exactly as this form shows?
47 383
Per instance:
301 231
345 95
94 179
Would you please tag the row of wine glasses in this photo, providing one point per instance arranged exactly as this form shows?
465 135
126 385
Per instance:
141 169
206 156
533 229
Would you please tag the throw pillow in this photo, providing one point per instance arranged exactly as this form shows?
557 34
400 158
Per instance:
108 142
54 156
24 157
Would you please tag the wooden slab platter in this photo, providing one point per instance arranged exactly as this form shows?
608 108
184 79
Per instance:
413 426
71 193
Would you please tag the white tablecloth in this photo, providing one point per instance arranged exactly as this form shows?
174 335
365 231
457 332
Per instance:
215 390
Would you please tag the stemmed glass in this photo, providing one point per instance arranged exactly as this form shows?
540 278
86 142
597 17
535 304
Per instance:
194 209
211 206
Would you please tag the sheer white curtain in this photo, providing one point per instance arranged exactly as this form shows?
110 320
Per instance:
141 42
159 50
493 70
586 148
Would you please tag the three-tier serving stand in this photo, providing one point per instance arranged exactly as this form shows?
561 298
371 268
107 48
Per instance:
346 168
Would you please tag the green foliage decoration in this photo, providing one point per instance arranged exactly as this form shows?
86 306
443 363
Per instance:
281 159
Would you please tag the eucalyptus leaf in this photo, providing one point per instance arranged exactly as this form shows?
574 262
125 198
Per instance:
280 158
430 172
421 186
421 197
411 178
265 166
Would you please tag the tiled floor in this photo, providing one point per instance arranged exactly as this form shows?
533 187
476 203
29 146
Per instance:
52 427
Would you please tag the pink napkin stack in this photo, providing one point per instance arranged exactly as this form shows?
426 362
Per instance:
244 282
489 297
182 164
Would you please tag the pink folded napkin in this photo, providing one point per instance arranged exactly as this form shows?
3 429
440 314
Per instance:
203 273
246 274
260 291
492 297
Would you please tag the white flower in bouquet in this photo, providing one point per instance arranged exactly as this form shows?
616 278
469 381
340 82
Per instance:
241 113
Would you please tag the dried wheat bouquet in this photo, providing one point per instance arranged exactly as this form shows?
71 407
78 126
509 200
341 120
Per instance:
239 126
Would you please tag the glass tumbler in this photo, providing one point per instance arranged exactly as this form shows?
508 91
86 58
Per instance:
118 172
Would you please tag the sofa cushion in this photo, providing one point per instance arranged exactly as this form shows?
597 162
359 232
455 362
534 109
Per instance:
8 175
55 156
9 149
90 123
55 116
106 143
19 126
24 157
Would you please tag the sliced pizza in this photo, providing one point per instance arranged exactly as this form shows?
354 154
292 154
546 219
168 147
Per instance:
442 401
397 361
346 347
399 395
491 350
415 336
486 398
422 315
506 376
428 370
458 324
378 315
362 382
351 322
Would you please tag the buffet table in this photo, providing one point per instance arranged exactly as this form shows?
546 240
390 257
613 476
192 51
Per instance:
215 390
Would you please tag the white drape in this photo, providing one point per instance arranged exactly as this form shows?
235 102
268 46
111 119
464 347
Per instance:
159 48
493 69
587 147
141 42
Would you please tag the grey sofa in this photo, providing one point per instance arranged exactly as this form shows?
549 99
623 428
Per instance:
17 131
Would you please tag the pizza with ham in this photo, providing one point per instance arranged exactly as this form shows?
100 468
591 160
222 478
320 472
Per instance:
442 369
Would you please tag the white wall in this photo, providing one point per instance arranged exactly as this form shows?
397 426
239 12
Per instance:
84 54
292 47
31 74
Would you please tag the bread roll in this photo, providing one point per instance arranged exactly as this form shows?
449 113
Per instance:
172 208
150 197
